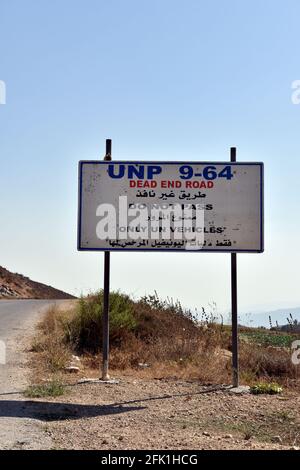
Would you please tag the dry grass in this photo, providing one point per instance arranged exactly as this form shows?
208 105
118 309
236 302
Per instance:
155 339
50 341
259 362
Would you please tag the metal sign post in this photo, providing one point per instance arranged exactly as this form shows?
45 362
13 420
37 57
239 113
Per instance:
234 314
167 200
105 318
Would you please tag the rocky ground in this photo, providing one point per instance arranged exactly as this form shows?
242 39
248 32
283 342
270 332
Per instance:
139 413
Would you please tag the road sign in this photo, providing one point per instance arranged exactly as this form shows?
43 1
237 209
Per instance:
170 206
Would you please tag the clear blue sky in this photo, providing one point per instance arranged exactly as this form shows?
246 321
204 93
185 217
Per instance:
165 79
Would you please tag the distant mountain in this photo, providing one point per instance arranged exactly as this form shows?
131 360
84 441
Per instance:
16 286
262 319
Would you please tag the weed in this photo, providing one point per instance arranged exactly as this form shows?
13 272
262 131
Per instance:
84 329
55 388
266 388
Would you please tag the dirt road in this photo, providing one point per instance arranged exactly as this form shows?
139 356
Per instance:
19 429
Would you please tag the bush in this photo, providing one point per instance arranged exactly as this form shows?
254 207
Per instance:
265 362
171 340
266 388
151 331
84 330
55 388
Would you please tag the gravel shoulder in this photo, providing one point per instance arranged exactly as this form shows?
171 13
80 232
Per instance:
140 413
19 428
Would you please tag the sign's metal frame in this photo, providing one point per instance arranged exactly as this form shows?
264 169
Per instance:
233 256
226 250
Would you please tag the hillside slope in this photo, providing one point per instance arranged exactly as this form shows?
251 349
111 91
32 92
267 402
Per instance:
16 286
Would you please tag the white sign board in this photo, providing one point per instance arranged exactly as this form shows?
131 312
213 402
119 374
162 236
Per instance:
170 206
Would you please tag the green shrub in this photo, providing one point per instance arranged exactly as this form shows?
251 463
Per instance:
84 330
55 388
266 388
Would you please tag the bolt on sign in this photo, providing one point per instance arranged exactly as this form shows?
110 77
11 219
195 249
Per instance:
170 206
